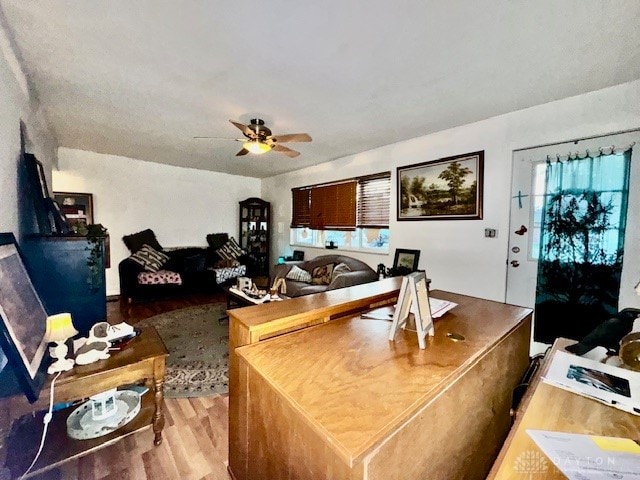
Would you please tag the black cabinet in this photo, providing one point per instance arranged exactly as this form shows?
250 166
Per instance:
255 232
68 274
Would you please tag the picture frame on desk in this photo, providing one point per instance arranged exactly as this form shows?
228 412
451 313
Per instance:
406 260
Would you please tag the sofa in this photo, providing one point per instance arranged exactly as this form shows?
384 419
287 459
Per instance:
176 270
355 273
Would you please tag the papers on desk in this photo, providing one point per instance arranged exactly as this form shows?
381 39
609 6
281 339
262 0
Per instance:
438 308
588 457
613 386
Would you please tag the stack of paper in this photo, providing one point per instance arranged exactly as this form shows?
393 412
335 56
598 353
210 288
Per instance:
440 307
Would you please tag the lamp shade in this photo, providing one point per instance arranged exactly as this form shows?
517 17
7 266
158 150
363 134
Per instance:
59 328
257 147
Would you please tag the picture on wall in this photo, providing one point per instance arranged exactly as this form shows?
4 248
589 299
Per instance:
77 209
446 189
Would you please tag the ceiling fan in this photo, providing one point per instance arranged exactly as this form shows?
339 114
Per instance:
259 139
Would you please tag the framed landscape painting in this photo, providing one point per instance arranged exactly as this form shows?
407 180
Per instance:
446 189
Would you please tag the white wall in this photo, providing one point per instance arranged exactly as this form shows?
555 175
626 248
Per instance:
180 205
455 254
16 104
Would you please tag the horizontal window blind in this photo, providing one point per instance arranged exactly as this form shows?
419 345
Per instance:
374 194
345 205
333 207
301 216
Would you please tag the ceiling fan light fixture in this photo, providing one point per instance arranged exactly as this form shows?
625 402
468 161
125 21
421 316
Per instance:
257 147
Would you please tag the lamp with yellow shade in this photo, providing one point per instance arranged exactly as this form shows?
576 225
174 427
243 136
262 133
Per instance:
59 329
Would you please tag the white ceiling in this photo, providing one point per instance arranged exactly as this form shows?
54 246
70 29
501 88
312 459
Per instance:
140 78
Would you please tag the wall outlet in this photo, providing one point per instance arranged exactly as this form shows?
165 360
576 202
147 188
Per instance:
490 232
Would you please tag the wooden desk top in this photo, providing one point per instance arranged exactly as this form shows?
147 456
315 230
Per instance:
550 408
354 386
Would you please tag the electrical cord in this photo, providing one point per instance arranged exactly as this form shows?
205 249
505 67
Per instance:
47 419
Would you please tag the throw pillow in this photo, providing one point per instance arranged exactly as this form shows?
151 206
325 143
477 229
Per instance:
217 240
322 275
135 241
150 259
339 270
230 250
298 274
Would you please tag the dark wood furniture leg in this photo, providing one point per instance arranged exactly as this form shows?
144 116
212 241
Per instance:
158 416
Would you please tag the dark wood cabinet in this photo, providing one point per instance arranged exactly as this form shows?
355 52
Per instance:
69 276
255 232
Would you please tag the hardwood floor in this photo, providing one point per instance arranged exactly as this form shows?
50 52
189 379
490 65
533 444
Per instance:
194 437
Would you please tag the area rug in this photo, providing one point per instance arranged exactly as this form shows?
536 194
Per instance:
198 350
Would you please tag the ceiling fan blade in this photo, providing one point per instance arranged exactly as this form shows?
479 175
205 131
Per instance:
286 151
292 137
244 129
244 151
218 138
221 138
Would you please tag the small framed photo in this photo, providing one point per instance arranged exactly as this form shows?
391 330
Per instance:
406 260
76 207
445 189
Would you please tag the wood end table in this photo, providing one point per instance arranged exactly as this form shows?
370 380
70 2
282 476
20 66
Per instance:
140 361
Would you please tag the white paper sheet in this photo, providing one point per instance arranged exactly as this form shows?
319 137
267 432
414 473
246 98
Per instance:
590 457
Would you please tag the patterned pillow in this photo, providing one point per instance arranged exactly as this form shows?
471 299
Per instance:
322 275
150 259
339 270
136 241
230 250
298 274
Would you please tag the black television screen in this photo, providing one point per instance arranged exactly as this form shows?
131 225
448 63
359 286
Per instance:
22 320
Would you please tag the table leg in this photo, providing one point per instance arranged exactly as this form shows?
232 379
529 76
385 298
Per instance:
158 416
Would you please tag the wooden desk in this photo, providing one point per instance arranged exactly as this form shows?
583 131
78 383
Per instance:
259 323
546 407
339 401
143 360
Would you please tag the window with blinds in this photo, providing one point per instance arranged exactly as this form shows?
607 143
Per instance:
374 194
361 202
333 207
301 215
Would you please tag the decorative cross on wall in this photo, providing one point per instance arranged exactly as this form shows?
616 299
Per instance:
520 197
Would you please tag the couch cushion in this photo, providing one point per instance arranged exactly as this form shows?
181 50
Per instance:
225 274
298 274
230 250
339 270
161 277
150 259
135 241
322 275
